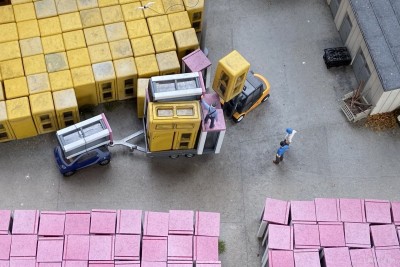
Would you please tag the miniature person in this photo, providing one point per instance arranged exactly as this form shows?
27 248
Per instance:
211 114
280 152
289 135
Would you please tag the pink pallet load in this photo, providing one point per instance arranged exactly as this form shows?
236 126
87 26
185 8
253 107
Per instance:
330 232
109 238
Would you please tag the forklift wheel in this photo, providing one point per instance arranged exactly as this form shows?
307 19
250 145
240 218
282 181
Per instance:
174 156
265 98
68 174
238 119
104 162
189 155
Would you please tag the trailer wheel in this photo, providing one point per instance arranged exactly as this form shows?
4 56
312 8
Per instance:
190 155
265 98
238 119
68 174
104 162
174 156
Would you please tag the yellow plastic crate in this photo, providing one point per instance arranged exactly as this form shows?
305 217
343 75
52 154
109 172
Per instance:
53 44
87 4
74 40
142 46
9 50
112 14
142 86
126 74
104 75
49 26
66 107
2 97
186 42
24 12
168 63
9 32
84 85
45 9
95 35
16 2
230 75
179 21
38 83
147 66
195 9
12 68
121 49
66 6
56 62
116 31
103 3
164 42
173 6
43 113
31 46
7 14
78 58
158 24
137 28
128 1
17 87
91 17
20 119
28 29
34 64
70 22
132 12
60 80
157 8
99 53
6 133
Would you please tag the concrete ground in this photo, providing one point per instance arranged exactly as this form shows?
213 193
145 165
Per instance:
329 157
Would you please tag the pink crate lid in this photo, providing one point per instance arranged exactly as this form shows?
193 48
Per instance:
303 211
127 247
181 221
387 257
352 210
127 263
5 218
280 258
378 211
207 264
74 263
363 257
129 222
50 249
331 234
205 248
155 223
154 248
5 247
180 263
76 247
154 264
276 211
196 61
357 235
334 257
25 222
384 235
306 258
327 209
101 264
23 245
207 223
51 223
23 262
280 237
103 222
4 263
48 264
180 247
396 212
306 236
101 248
77 222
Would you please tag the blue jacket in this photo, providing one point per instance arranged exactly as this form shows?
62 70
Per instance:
282 150
212 111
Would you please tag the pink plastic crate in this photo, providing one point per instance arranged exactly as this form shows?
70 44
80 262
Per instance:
387 257
180 264
396 212
5 218
327 209
101 264
127 247
334 257
280 237
306 258
180 247
181 222
50 249
103 222
384 235
357 235
303 211
276 211
23 245
25 222
331 234
77 222
280 258
205 248
153 264
49 264
352 210
129 222
5 247
363 257
23 262
4 263
101 248
306 236
207 223
378 211
75 264
155 223
154 248
76 247
208 264
51 223
127 263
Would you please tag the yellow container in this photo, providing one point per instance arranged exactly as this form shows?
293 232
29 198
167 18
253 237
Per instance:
104 75
66 6
24 12
78 58
132 12
86 4
116 31
99 53
126 73
9 50
20 119
186 42
179 21
70 22
84 85
6 133
2 98
111 14
91 17
60 80
43 113
158 24
173 125
195 8
49 26
12 68
28 29
142 86
56 62
128 1
34 64
53 44
173 6
142 46
164 42
16 2
66 107
168 63
156 9
230 75
9 32
45 8
103 3
74 40
121 49
95 35
137 28
38 83
17 87
7 14
31 46
147 66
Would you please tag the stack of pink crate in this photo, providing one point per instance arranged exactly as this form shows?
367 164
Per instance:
330 232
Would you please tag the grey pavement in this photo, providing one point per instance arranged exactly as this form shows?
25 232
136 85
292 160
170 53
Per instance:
329 157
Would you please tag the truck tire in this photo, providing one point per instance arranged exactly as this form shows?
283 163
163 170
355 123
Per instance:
104 162
68 174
